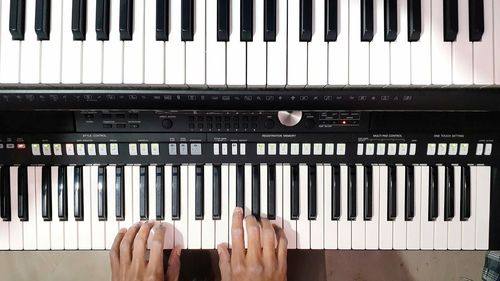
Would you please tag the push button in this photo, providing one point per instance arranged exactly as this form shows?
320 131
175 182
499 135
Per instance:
58 149
35 149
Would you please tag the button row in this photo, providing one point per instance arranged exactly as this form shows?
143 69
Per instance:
454 149
300 149
90 149
389 149
236 149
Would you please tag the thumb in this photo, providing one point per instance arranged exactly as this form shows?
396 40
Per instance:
224 262
174 265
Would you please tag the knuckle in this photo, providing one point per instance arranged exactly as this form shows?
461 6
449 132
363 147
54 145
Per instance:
256 269
157 243
238 269
125 245
139 241
113 255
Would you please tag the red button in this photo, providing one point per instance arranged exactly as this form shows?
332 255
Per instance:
21 146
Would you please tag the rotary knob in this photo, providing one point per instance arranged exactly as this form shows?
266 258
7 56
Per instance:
269 124
167 124
289 118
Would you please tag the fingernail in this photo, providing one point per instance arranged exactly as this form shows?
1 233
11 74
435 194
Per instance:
123 230
178 251
151 222
219 250
239 211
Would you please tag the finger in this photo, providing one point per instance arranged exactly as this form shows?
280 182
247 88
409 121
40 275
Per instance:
237 237
114 254
224 262
156 252
126 245
282 247
253 233
268 242
140 245
174 264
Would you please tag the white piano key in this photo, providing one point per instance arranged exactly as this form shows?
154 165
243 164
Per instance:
71 226
111 222
359 52
181 231
338 51
195 50
175 49
170 230
358 225
4 235
152 192
400 49
29 226
399 224
154 51
303 225
317 234
263 190
330 226
344 225
483 50
208 224
133 50
30 49
136 181
279 196
222 226
276 57
194 225
10 50
482 207
454 225
42 227
469 226
256 50
129 208
297 51
236 50
317 62
71 50
85 226
380 52
91 51
50 69
426 226
216 51
413 226
232 199
113 48
463 68
496 11
248 197
16 225
421 62
289 226
440 226
98 227
441 50
372 226
385 226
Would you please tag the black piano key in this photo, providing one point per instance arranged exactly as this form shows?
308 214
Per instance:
143 193
102 19
176 193
5 212
270 20
390 20
295 193
368 193
305 20
449 193
331 20
78 193
414 20
187 20
409 194
42 19
367 20
160 193
162 20
246 17
335 193
199 203
465 184
271 192
102 202
17 16
62 194
79 20
351 193
256 191
240 186
476 20
391 194
450 16
46 193
22 193
216 195
312 194
433 193
120 193
223 20
126 19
